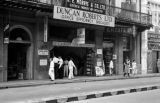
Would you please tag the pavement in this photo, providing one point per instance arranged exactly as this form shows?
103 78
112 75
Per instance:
28 83
77 89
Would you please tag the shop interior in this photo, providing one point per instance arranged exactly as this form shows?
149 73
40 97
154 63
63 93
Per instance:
81 57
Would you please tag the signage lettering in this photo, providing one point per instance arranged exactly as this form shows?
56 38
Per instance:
126 30
70 14
86 5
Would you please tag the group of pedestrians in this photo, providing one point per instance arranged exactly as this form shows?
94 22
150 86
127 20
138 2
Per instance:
130 67
59 68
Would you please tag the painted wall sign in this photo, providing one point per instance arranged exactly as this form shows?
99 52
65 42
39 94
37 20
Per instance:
125 30
87 6
80 16
43 52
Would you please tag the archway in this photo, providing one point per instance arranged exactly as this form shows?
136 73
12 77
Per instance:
18 54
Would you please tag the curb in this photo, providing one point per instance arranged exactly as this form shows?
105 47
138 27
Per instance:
98 95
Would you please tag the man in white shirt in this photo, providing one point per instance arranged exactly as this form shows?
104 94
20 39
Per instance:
71 66
51 70
111 67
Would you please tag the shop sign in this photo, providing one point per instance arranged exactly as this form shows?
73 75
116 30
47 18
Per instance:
6 40
68 44
99 51
43 52
43 62
81 36
152 37
80 16
124 30
114 56
87 5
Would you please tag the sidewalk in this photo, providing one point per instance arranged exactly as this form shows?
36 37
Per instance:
28 83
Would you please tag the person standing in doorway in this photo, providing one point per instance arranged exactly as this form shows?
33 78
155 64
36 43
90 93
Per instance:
126 67
60 68
56 66
65 68
51 70
71 66
134 67
111 67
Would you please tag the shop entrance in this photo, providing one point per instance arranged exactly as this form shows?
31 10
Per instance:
17 61
79 55
18 55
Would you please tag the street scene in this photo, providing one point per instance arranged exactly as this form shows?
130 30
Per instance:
79 51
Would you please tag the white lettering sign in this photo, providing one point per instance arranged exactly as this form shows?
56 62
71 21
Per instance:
43 52
43 62
70 14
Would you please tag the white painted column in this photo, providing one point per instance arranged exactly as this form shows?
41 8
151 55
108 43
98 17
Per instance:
144 49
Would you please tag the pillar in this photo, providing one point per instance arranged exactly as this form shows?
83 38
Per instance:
144 48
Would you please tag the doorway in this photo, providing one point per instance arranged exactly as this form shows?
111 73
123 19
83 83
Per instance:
18 55
17 60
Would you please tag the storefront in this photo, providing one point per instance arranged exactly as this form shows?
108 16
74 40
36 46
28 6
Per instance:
119 43
79 30
153 52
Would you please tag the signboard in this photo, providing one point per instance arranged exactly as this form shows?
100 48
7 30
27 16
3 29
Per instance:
124 30
68 44
152 37
81 36
153 41
99 51
87 6
43 52
6 40
80 16
43 62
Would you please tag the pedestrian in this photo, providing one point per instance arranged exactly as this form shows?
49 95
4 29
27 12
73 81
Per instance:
65 67
71 66
56 66
51 70
134 67
60 68
111 67
126 68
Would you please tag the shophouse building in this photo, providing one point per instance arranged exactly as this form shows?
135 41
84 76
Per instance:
152 36
92 32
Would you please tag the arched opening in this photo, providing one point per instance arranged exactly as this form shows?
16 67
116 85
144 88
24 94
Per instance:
18 54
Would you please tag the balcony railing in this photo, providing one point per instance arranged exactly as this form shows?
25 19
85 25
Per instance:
119 13
128 15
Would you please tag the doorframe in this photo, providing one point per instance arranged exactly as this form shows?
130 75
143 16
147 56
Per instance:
29 61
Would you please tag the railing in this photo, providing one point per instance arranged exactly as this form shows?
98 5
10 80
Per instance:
119 13
129 15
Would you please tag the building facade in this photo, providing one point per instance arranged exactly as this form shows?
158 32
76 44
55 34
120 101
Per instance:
153 8
91 32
